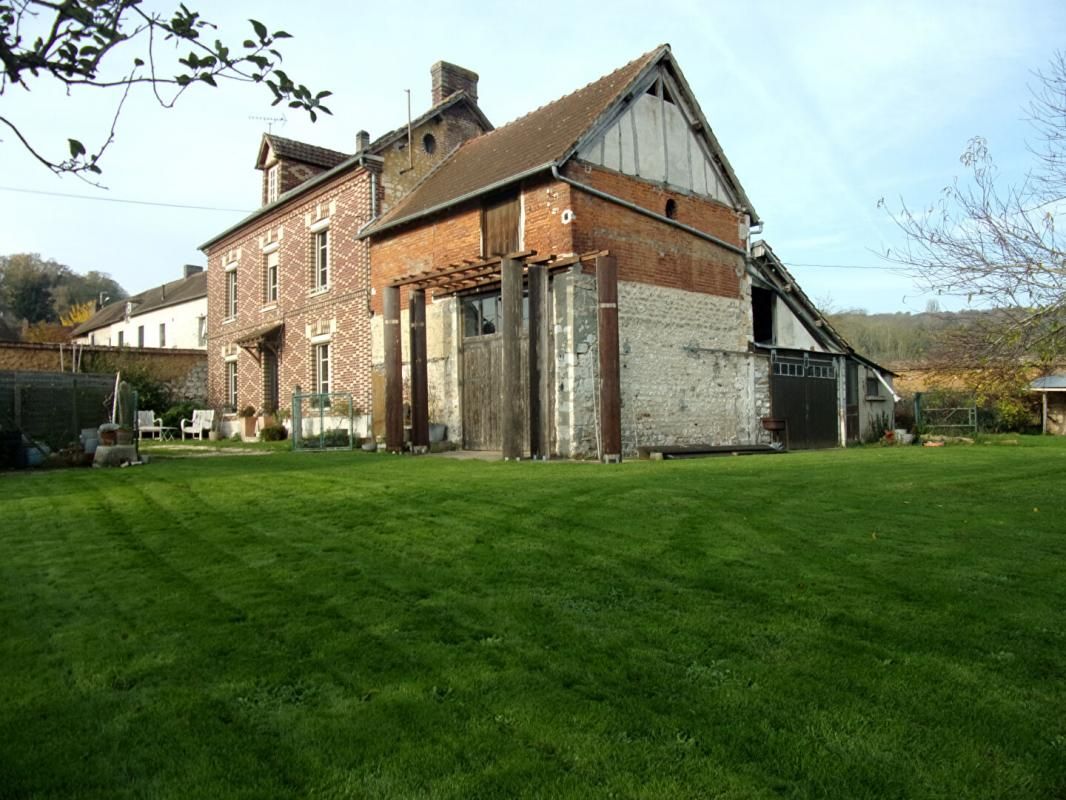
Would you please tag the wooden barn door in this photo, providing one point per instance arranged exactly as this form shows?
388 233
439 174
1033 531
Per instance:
803 390
482 391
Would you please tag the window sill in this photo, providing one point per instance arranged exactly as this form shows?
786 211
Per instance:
269 307
318 291
228 320
875 398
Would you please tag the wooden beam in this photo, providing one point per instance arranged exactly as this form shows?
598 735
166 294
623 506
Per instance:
538 362
419 372
511 421
393 371
610 380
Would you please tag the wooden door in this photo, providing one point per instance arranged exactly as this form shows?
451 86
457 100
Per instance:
482 393
803 390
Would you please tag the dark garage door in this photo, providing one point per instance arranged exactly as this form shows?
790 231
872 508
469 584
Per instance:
803 390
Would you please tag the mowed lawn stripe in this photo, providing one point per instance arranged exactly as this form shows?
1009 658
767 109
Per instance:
881 623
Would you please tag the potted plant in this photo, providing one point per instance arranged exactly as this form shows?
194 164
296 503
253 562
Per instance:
248 415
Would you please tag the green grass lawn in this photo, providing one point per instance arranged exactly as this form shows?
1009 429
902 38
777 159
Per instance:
847 624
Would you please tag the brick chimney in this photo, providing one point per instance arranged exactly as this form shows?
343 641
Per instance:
191 269
449 79
362 142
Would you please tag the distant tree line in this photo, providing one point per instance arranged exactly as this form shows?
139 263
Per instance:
37 290
902 336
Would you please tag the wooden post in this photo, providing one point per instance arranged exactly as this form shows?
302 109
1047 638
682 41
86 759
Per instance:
610 382
1043 427
511 422
393 371
538 361
419 372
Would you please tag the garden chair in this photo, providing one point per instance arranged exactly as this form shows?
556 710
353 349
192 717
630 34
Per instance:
202 420
148 422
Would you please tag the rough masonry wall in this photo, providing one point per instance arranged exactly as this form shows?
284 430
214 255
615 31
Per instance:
338 314
442 366
686 371
449 129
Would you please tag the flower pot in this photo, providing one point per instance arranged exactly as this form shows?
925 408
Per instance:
213 436
124 436
249 427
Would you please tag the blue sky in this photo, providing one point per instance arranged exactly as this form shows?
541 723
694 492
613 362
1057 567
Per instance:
823 109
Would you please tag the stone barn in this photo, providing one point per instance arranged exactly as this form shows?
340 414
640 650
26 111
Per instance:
581 283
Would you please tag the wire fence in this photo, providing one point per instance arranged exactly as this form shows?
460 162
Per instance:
323 421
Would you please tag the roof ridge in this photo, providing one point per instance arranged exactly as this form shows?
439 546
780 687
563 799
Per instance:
646 56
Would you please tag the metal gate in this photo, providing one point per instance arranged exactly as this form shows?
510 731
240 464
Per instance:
803 390
482 394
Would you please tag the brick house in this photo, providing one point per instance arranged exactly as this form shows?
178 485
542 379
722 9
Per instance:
580 282
289 286
627 172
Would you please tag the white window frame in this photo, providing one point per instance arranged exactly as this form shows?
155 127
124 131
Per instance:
162 334
318 349
273 182
231 292
231 383
271 260
321 243
201 330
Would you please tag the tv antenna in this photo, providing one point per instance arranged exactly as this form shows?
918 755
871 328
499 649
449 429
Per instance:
271 121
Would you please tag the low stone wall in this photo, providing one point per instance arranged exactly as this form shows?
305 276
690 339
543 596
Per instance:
185 371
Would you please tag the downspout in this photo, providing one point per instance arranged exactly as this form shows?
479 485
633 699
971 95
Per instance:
895 397
641 210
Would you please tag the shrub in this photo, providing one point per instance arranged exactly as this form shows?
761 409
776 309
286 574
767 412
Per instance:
173 416
273 433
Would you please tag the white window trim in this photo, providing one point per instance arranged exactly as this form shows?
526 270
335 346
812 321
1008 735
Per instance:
230 302
318 288
315 381
273 182
270 248
269 303
322 338
321 225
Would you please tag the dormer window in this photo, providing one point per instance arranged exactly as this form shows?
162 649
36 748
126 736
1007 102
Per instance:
273 182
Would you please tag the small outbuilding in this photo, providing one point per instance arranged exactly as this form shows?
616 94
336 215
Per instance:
1053 408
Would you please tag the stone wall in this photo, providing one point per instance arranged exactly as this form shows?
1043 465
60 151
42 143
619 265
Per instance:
185 371
686 374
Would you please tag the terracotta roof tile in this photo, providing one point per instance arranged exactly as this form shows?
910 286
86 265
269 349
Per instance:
538 139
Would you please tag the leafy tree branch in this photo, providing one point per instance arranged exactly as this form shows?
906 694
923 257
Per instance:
116 45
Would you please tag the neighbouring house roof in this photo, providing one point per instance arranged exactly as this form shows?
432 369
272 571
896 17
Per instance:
770 271
299 151
1049 383
539 140
347 162
169 294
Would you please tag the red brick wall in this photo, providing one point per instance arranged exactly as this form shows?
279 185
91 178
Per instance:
345 302
649 251
452 237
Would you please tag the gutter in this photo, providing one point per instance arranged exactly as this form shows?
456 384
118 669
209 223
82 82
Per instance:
740 251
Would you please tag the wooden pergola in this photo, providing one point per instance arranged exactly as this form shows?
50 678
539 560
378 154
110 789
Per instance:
510 272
